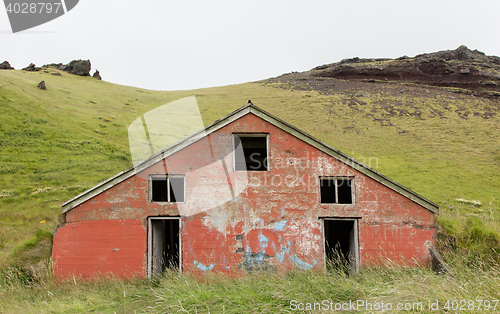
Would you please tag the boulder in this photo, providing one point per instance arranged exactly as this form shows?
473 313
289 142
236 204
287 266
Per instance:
97 75
78 67
42 86
6 66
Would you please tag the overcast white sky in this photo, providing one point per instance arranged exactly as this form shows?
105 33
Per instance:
172 45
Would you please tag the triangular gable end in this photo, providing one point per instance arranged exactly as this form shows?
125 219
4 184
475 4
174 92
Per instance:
250 108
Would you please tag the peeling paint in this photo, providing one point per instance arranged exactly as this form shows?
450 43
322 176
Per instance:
301 264
280 225
227 224
203 267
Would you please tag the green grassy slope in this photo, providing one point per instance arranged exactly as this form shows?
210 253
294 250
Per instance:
56 143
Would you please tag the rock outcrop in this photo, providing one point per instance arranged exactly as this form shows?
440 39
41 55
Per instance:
461 67
32 68
97 75
76 67
6 66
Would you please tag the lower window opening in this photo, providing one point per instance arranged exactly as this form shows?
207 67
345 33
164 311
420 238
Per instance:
340 245
164 245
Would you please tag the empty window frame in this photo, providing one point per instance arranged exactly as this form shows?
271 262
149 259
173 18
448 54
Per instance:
167 189
336 190
250 152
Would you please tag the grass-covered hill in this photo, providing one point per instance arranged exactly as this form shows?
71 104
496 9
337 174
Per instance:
441 141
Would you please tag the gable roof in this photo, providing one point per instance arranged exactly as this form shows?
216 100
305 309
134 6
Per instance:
249 108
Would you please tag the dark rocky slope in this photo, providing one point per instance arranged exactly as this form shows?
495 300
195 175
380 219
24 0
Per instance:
462 68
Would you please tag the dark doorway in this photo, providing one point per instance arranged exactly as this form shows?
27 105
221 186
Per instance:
164 245
341 244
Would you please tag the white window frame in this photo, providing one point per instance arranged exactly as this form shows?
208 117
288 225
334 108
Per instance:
167 176
353 189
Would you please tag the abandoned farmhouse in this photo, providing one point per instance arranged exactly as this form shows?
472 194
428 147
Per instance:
250 192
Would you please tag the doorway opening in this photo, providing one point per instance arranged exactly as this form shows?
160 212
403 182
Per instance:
164 244
341 244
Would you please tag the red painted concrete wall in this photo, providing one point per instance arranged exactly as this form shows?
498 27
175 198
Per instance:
99 247
254 220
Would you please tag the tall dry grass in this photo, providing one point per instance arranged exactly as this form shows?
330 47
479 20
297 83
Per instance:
173 292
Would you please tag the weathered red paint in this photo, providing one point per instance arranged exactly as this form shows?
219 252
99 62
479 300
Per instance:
99 247
275 221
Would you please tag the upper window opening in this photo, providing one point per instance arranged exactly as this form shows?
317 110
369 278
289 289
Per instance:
250 152
336 190
167 189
